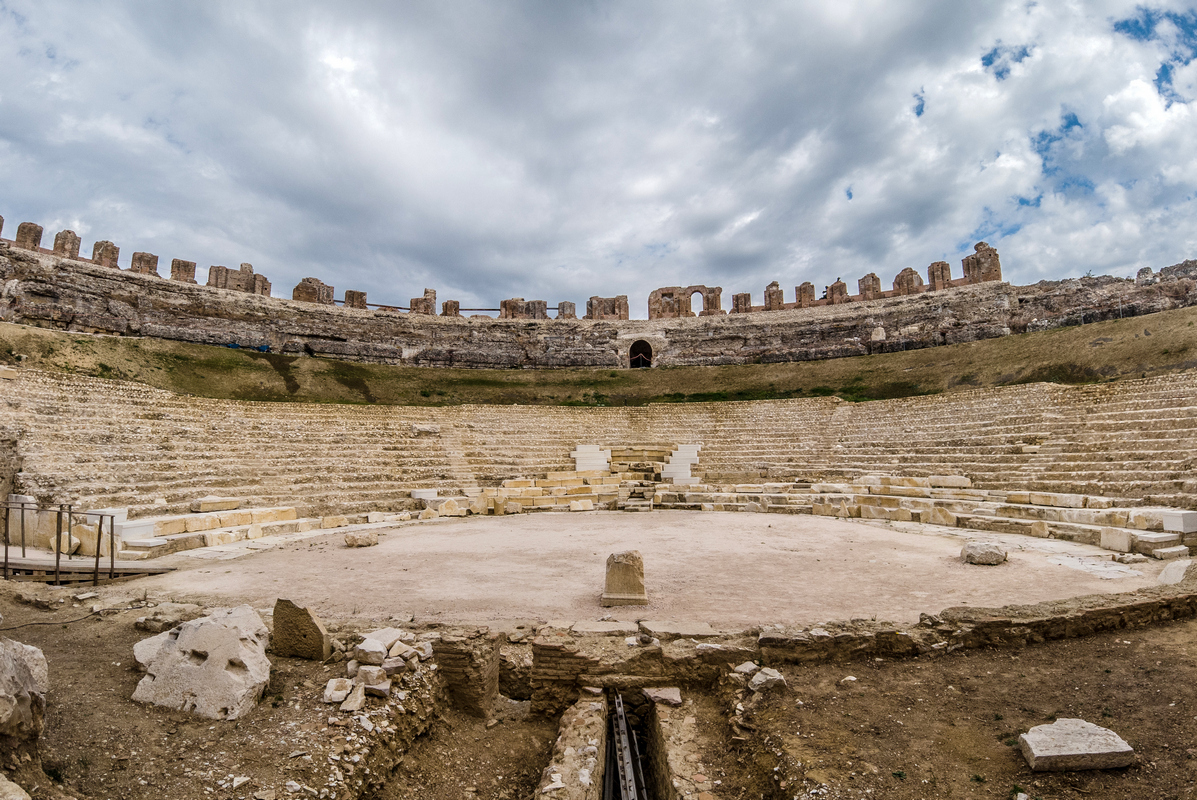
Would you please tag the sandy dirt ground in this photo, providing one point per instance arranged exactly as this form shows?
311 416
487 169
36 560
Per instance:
730 569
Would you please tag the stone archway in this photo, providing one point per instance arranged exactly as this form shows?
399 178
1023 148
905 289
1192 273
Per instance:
640 354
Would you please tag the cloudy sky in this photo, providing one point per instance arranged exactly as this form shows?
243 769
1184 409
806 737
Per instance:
557 150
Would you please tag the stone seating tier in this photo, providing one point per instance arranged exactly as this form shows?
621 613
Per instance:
108 443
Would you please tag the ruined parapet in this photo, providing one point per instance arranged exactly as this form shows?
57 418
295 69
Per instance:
241 280
1 225
144 264
741 303
355 299
671 302
805 295
939 276
469 665
607 307
983 265
869 287
837 293
519 308
774 297
426 304
451 308
182 271
567 310
908 282
29 236
105 254
313 290
66 244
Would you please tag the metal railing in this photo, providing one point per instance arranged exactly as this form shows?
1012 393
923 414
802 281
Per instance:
63 512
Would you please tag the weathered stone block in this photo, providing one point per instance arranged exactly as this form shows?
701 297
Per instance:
66 244
625 580
981 552
29 236
182 271
105 254
1073 744
214 666
299 633
144 264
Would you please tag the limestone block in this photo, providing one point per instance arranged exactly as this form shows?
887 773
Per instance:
1072 744
1165 553
1179 521
430 513
361 538
193 524
670 696
388 637
213 538
513 508
941 516
214 666
337 690
1174 573
668 631
766 679
897 480
233 519
8 373
1119 540
950 482
625 580
214 503
581 505
1018 497
337 521
356 699
370 651
299 633
981 552
369 674
254 531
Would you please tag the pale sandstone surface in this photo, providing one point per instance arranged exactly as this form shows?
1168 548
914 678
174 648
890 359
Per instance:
722 568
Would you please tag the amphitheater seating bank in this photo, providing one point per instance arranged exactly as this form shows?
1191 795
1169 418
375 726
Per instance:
103 443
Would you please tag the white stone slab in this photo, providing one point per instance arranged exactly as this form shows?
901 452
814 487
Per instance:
1072 744
1180 521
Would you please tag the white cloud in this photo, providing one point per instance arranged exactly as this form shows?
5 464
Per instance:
558 151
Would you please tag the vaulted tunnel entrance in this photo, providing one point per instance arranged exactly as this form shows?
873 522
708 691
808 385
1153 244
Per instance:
641 354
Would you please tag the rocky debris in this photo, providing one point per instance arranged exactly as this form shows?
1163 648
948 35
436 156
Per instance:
977 551
356 700
299 633
1072 744
765 679
388 637
670 696
337 689
1130 558
1174 573
747 668
168 615
24 682
572 774
361 538
214 666
370 651
625 580
10 791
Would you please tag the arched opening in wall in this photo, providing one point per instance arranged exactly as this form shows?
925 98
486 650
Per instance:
702 301
641 354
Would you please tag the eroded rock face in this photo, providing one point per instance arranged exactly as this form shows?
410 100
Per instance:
214 666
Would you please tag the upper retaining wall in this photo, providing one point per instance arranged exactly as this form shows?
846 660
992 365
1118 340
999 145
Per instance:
50 291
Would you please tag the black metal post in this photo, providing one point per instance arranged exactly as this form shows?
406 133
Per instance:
57 543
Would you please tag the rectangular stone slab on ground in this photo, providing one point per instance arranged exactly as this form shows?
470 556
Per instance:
1071 744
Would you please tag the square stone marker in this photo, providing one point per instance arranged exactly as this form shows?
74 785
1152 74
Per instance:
1071 744
625 580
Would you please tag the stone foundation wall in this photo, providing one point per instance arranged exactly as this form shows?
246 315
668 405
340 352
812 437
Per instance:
42 289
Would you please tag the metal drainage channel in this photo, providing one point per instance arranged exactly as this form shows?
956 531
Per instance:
623 776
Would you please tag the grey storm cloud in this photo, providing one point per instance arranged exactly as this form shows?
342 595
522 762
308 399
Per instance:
561 150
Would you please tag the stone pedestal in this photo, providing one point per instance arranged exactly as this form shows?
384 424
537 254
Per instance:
625 580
